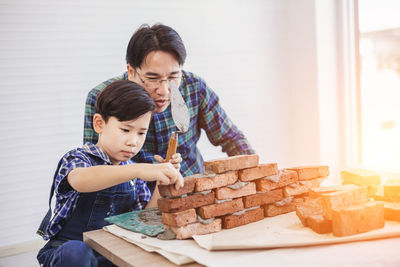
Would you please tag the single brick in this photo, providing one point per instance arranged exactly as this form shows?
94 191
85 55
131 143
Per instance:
224 208
231 221
391 190
361 177
185 203
392 211
318 223
283 178
358 219
179 218
170 191
218 180
311 206
341 199
262 198
227 193
231 163
260 171
187 231
381 197
318 191
311 172
282 207
301 187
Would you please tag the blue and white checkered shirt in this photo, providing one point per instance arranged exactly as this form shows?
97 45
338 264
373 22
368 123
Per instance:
66 197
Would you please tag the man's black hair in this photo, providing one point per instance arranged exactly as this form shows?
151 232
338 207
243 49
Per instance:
159 37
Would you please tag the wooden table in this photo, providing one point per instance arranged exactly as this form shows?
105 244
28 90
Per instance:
123 253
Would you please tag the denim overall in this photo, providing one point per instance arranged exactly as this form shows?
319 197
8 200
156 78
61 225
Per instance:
67 247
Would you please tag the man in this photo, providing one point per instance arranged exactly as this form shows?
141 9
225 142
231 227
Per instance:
155 57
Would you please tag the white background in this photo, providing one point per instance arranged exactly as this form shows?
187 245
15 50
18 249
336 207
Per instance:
272 62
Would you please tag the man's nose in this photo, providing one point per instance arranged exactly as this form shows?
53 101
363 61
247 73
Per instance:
164 88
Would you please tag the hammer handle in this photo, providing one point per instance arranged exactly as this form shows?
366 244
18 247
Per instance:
172 145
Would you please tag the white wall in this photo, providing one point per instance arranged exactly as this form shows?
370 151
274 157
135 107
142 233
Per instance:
53 52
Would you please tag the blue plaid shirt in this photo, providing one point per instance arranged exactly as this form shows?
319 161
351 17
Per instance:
67 198
205 113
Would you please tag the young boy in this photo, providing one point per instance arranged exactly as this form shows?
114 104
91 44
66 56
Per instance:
97 181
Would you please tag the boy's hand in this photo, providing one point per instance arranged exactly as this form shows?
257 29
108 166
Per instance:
163 173
175 160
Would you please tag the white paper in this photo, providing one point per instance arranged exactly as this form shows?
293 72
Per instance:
382 252
284 231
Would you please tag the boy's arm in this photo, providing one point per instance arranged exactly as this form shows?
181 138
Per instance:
97 178
176 162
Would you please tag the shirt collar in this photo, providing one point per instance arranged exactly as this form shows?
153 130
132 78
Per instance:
97 152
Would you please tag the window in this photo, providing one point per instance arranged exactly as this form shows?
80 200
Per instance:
379 70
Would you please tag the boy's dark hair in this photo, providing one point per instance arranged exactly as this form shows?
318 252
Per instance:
156 38
124 100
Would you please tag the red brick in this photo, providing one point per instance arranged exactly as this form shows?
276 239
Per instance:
187 231
285 177
361 177
170 191
319 224
392 211
227 193
260 171
311 172
391 190
341 199
301 187
262 198
179 218
231 221
318 191
219 180
281 207
231 163
185 203
358 219
311 206
215 210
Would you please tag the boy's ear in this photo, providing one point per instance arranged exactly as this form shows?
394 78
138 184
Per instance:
98 123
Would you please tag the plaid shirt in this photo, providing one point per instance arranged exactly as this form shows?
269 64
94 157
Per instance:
205 113
67 198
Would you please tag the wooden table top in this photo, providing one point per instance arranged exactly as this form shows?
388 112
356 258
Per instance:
123 253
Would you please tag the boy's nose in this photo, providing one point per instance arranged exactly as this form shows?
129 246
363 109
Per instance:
132 141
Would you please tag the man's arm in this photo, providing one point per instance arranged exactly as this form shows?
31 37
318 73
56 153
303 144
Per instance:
89 135
219 128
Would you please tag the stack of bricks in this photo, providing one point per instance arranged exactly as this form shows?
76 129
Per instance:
343 210
234 191
389 192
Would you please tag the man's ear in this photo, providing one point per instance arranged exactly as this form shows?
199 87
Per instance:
131 72
98 123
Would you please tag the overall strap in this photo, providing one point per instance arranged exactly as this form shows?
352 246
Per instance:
46 220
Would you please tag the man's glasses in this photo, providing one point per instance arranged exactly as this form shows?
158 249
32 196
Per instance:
154 83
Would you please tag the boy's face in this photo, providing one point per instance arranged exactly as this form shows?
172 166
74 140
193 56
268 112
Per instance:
157 66
121 140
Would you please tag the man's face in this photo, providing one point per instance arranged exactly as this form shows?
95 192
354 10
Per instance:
156 69
121 140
